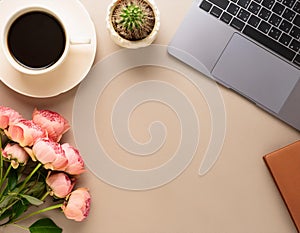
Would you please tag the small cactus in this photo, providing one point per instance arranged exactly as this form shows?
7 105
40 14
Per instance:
133 19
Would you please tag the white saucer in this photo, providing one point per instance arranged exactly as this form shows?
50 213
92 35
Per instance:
76 66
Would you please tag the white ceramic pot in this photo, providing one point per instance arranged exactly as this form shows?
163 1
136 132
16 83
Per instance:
128 43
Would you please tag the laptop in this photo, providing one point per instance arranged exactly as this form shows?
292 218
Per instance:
249 46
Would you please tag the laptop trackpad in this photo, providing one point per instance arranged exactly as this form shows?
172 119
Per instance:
255 73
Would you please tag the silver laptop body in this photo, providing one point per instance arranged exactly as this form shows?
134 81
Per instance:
222 51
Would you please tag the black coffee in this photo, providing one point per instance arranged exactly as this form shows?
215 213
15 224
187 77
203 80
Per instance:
36 40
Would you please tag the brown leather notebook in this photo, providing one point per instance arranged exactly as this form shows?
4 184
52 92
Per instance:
284 165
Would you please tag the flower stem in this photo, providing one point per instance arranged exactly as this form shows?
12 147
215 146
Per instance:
37 212
3 179
45 195
29 176
6 173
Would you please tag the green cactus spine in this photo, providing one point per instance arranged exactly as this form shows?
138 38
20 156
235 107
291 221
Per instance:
133 19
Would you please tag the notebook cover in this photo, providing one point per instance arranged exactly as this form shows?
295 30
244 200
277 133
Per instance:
284 165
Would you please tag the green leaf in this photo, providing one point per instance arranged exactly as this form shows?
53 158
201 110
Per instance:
6 201
19 208
35 189
6 214
32 200
12 180
45 225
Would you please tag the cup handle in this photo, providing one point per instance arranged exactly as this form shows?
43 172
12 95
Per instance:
80 41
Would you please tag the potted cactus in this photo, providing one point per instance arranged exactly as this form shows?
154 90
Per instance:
133 23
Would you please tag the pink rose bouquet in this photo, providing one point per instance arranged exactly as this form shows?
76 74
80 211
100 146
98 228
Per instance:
34 165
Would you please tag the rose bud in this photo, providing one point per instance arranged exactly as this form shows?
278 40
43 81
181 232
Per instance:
16 154
8 116
75 162
52 122
50 154
60 184
77 207
25 132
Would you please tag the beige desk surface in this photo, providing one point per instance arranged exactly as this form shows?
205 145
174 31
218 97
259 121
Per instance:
236 196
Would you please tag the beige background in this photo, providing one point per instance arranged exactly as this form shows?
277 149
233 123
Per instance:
236 196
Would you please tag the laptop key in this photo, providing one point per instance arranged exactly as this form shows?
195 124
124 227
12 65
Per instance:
295 32
220 3
254 8
296 7
274 20
278 8
297 20
215 11
243 15
264 13
274 33
237 24
264 27
233 9
285 39
254 21
285 26
269 43
268 3
243 3
295 45
225 17
288 14
289 3
205 5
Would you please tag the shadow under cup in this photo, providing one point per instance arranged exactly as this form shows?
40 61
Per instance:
36 42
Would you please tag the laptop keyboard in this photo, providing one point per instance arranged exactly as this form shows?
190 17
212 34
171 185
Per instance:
272 23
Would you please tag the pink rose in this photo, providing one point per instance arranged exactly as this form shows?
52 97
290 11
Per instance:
25 132
50 154
77 207
75 162
8 116
60 184
16 154
52 122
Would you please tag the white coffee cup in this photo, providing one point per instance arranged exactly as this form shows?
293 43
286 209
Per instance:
36 40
